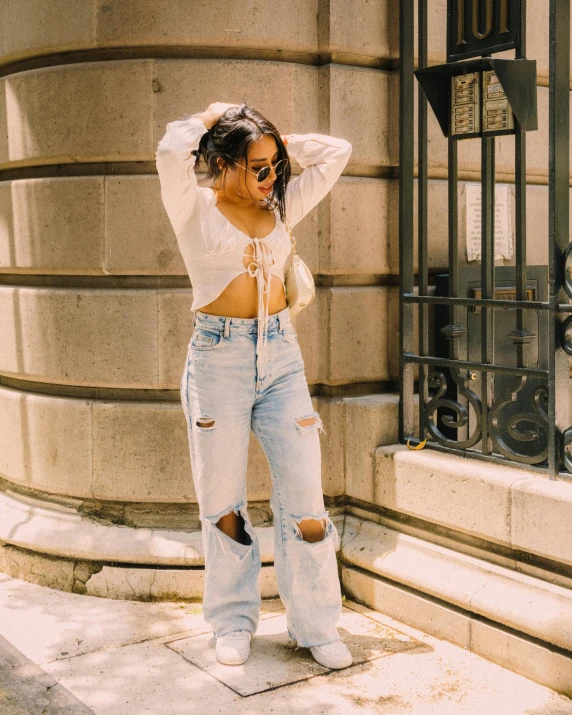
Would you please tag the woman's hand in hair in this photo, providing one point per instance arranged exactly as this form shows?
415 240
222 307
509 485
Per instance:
284 139
214 112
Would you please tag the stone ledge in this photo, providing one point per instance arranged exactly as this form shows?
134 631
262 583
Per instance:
537 661
502 504
149 584
61 531
526 604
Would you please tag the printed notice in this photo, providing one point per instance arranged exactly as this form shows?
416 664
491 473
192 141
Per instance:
503 221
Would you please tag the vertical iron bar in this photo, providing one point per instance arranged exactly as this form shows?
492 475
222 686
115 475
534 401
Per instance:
558 192
520 196
422 174
487 279
406 82
520 251
453 227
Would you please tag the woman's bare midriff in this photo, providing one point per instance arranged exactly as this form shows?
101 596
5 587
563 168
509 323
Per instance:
240 298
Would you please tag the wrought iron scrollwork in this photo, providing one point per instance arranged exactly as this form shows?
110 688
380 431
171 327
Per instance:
566 335
567 270
566 446
438 382
522 427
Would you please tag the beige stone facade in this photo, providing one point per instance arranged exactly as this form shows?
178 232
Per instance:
95 301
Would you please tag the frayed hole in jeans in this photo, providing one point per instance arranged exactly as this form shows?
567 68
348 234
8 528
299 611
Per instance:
233 524
205 422
316 530
308 423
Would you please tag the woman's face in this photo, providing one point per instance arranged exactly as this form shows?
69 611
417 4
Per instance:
244 184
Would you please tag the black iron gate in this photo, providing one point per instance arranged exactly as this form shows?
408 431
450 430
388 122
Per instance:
493 368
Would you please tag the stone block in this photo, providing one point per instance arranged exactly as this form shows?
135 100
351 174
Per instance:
308 325
45 442
52 225
146 444
393 333
37 568
332 411
528 605
139 240
359 110
541 517
467 495
355 335
95 111
216 24
433 570
533 660
356 238
80 336
175 329
4 144
188 86
370 421
34 27
369 32
132 23
407 606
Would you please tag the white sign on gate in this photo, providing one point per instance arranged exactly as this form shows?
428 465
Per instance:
503 221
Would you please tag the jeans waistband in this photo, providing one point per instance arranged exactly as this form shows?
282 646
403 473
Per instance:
276 321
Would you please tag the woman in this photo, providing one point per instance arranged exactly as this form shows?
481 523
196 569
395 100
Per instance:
244 369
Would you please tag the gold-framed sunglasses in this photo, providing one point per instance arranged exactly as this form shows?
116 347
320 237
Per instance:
263 173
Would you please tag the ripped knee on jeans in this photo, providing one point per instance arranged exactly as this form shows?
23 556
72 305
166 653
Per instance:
315 529
233 525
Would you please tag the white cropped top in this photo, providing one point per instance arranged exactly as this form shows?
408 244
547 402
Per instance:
213 248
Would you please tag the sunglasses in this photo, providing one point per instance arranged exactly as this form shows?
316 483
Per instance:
263 173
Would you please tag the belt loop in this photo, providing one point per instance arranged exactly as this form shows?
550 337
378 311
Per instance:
194 318
278 319
226 327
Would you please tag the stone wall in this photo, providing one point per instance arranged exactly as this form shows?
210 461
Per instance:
94 299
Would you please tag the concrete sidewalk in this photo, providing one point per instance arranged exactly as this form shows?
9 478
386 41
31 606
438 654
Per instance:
70 654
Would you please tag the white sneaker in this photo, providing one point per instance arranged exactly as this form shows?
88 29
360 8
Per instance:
333 655
233 648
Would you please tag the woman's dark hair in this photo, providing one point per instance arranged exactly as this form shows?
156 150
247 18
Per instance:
231 136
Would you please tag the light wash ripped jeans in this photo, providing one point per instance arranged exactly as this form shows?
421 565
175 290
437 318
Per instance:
222 404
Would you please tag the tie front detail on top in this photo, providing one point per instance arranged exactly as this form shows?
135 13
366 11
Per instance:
212 248
259 268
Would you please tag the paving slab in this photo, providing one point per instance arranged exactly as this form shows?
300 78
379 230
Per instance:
275 659
155 659
141 678
46 624
25 689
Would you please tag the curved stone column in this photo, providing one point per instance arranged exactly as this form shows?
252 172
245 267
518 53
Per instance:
94 298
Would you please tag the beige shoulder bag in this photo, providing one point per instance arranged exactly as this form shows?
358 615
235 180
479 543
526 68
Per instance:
298 280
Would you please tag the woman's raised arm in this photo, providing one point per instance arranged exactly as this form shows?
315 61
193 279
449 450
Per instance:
176 166
176 162
322 158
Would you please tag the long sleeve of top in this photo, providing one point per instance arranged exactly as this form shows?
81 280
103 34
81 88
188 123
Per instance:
211 246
